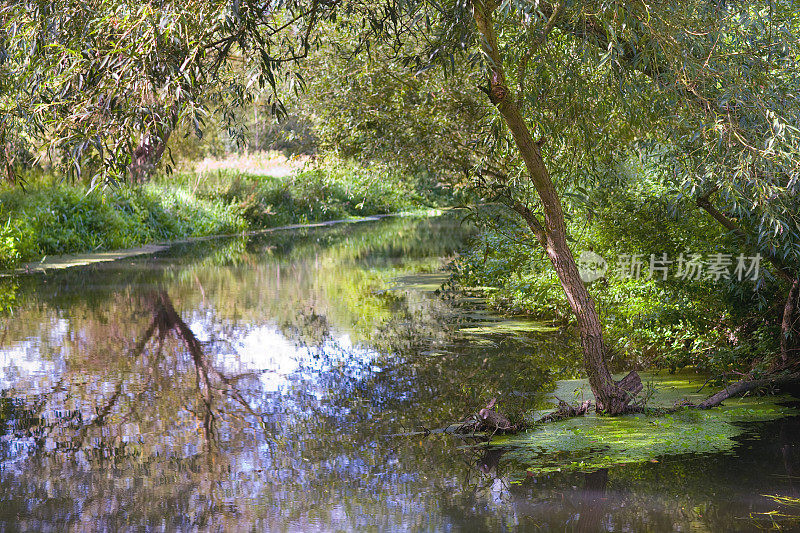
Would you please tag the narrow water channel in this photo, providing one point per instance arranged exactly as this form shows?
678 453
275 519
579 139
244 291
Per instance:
260 384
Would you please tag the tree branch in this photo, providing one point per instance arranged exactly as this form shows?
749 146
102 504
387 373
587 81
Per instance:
533 222
522 69
704 201
740 387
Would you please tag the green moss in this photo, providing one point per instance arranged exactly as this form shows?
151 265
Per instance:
592 442
427 282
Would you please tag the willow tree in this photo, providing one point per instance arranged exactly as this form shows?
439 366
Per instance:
102 84
708 87
711 85
573 85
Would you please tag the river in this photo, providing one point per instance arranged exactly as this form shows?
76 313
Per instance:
286 382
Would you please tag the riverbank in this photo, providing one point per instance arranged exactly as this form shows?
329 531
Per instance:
61 262
293 346
50 218
650 318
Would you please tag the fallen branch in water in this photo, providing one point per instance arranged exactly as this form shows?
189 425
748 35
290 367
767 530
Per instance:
565 410
746 385
488 421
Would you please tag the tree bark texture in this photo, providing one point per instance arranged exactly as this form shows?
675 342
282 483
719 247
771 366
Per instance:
552 234
788 340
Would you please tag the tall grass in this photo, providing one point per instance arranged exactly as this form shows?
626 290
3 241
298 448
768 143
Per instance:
326 190
49 219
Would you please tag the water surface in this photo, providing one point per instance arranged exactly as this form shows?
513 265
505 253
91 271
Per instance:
259 384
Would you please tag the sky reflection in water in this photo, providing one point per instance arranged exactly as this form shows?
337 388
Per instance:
251 384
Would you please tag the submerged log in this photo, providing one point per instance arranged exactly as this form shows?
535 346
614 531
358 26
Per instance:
491 420
487 420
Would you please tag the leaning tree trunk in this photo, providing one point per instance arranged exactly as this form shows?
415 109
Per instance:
611 396
788 341
152 147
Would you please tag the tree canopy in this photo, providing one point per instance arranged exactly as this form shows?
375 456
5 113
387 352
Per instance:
533 102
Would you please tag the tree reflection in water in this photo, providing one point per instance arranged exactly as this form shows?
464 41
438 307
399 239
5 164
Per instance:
252 385
151 420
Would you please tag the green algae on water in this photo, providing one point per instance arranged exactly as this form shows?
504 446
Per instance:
592 442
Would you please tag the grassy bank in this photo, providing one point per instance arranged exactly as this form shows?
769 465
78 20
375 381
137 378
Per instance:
325 190
49 219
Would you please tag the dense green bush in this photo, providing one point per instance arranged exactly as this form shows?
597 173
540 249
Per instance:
715 325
